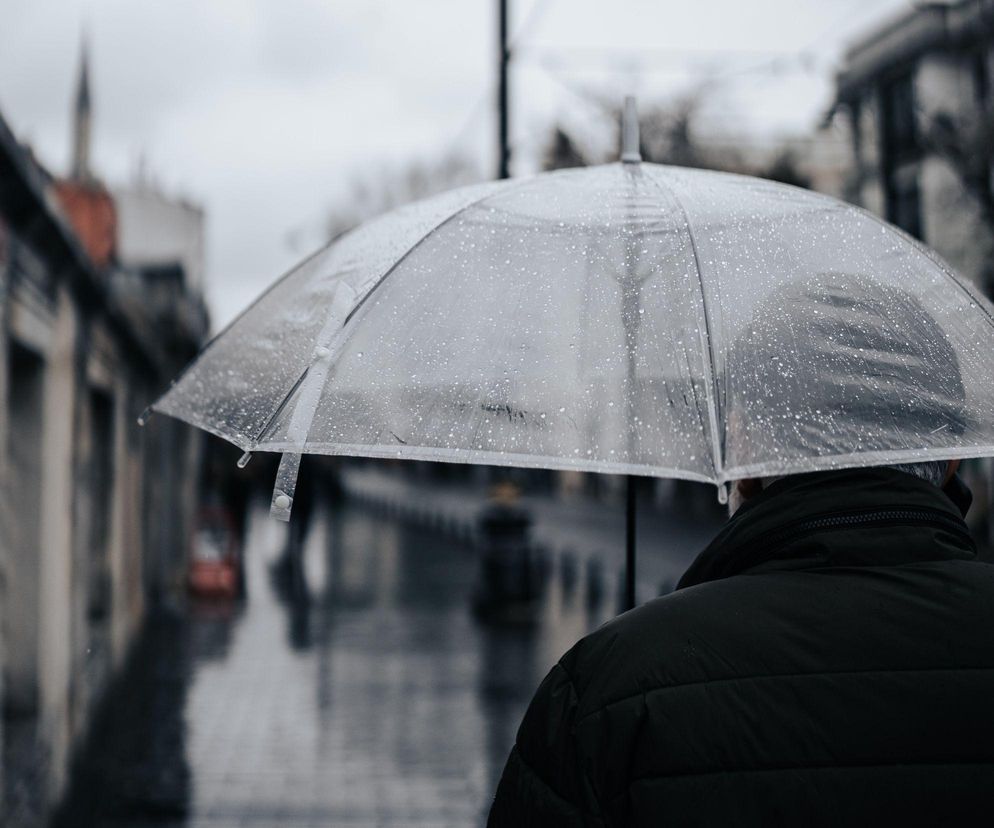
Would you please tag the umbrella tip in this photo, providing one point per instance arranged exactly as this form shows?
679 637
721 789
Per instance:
630 132
723 493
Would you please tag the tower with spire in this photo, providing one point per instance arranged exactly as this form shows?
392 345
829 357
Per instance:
136 230
85 201
80 168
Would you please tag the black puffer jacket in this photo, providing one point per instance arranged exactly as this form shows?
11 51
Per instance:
828 660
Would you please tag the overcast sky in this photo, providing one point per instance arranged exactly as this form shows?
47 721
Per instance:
264 111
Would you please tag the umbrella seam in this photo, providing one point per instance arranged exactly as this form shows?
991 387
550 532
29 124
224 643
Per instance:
543 461
718 441
487 456
883 457
201 423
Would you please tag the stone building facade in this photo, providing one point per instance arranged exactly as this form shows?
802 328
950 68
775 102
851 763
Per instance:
95 512
917 94
916 97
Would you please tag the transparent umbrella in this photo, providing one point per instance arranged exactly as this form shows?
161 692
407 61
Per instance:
629 318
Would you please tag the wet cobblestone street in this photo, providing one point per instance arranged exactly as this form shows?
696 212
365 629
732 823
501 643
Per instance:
362 693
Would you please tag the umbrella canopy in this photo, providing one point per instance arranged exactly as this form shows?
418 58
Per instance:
628 318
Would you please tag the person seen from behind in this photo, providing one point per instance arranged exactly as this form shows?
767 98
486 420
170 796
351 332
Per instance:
829 658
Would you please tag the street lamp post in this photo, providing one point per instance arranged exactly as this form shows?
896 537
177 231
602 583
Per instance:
503 149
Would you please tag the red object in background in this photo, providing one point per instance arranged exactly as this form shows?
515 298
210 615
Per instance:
214 559
92 214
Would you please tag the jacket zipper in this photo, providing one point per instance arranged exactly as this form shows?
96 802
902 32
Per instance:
879 517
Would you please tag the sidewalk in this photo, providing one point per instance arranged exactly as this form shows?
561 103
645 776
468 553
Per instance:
366 695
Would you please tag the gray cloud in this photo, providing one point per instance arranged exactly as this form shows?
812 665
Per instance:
265 110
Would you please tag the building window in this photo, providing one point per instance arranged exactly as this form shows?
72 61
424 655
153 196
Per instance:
899 153
20 615
899 128
981 77
101 490
904 201
856 130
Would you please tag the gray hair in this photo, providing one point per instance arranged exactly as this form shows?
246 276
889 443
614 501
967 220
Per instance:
933 471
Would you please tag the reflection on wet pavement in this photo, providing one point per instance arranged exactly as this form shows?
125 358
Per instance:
354 688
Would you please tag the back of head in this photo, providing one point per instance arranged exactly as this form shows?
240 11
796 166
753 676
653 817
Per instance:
845 367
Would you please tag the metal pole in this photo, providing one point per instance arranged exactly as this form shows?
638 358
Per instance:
630 151
503 149
632 296
630 505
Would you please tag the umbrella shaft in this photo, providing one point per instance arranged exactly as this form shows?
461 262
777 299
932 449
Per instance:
630 503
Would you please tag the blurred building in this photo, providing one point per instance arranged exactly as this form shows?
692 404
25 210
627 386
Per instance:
95 511
917 95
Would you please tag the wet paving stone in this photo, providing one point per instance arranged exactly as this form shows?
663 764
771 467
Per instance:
353 688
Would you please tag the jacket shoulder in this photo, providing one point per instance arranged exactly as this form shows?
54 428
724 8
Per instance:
785 622
782 669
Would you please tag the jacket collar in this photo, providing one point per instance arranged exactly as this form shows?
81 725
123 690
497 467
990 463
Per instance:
851 517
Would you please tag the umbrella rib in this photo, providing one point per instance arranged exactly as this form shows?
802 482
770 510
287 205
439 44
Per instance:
718 441
255 302
372 288
279 409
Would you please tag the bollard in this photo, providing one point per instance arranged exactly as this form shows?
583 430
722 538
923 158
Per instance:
541 561
622 594
510 581
595 582
567 572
